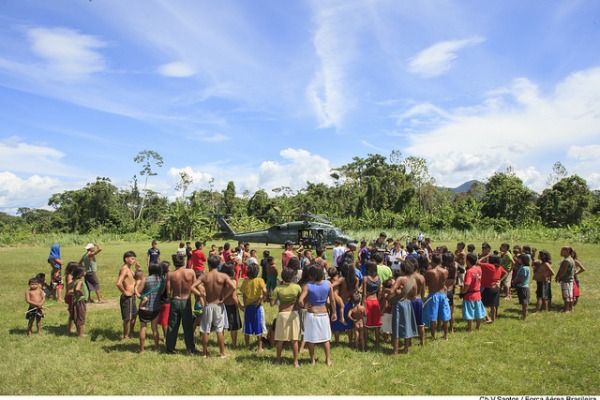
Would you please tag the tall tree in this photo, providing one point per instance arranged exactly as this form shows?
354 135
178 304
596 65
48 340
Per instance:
149 160
506 197
565 203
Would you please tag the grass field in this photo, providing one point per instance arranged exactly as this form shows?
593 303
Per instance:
551 353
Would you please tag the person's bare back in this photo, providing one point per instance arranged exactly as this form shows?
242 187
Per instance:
218 286
436 279
420 284
179 283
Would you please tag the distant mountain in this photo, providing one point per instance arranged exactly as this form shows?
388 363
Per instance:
465 186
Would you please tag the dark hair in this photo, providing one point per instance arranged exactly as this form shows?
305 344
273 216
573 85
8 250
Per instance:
470 248
460 244
526 248
349 275
524 259
270 259
486 245
226 246
294 263
228 269
447 259
78 273
266 253
71 267
138 274
371 267
164 267
198 244
178 260
436 259
495 259
545 256
389 281
320 251
252 271
213 261
128 254
423 263
41 276
305 278
505 246
332 272
471 258
409 267
154 269
287 274
378 257
315 273
181 244
33 280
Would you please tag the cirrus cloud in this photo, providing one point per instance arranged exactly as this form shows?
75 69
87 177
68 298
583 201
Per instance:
437 59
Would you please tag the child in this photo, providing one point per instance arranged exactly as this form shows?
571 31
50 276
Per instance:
272 275
386 310
356 315
56 278
264 264
232 306
522 284
333 275
35 298
254 291
578 269
80 295
71 267
41 277
140 281
542 274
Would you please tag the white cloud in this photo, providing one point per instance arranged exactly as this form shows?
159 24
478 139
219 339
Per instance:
68 53
37 158
328 92
584 153
177 70
31 192
439 58
512 126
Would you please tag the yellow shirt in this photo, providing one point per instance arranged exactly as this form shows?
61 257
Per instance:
252 290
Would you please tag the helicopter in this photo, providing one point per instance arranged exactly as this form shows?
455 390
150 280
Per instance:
311 232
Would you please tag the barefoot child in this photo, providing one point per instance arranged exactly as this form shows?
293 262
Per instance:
71 267
386 310
140 281
254 290
80 295
356 315
35 298
522 284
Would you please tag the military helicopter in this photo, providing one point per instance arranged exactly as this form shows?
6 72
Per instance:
312 231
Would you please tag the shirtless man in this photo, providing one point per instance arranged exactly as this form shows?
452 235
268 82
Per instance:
179 289
460 256
417 302
450 265
126 284
218 287
404 291
436 305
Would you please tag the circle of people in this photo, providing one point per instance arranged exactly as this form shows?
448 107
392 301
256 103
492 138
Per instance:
393 289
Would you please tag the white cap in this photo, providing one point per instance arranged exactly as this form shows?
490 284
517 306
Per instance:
89 246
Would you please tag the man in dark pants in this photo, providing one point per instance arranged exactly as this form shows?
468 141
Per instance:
179 288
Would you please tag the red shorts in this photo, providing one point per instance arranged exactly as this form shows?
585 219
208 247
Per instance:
163 316
373 313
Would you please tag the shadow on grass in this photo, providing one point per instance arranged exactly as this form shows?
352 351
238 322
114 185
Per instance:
104 333
19 331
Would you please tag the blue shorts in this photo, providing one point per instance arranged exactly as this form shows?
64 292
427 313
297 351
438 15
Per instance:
403 320
437 308
253 320
337 326
417 305
473 310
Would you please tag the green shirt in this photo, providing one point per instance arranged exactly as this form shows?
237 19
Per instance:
384 272
287 293
89 263
568 276
84 290
507 261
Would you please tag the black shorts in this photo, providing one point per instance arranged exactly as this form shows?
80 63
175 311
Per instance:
233 317
523 294
148 316
91 279
128 307
450 296
490 297
543 290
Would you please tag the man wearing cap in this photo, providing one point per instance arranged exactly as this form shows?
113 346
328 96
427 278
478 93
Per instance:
287 254
91 278
379 244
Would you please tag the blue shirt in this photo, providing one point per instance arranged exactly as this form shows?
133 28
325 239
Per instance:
525 272
153 254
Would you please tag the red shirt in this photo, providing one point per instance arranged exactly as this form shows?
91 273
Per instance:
198 260
490 275
286 256
473 280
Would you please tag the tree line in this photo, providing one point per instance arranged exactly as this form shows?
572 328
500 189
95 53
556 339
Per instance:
374 192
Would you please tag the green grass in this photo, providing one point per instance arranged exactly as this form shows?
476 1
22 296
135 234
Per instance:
551 353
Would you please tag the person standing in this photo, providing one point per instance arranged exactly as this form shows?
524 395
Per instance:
153 255
179 289
198 259
126 285
565 277
91 277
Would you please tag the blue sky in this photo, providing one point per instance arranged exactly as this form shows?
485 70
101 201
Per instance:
274 93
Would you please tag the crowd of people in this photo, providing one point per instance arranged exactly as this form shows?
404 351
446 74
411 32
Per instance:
396 288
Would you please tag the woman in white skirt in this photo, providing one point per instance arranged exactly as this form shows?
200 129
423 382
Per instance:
287 324
317 328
